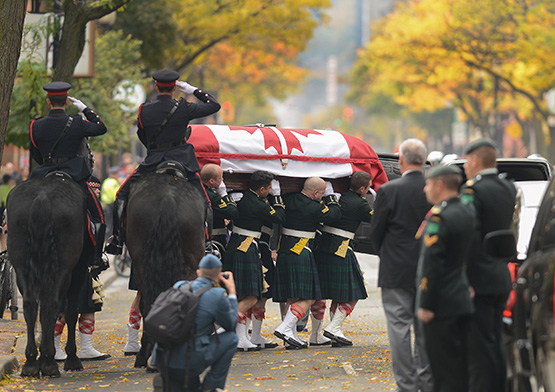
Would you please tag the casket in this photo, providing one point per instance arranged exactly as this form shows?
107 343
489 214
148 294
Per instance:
290 154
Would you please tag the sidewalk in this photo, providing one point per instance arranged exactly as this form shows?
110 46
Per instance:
11 330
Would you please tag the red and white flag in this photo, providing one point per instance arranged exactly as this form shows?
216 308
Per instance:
285 152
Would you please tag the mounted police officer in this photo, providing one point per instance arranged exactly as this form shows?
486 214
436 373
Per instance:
56 143
296 276
223 206
260 203
443 298
493 198
340 275
163 130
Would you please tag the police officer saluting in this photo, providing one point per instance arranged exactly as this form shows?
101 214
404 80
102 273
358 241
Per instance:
55 142
443 297
163 131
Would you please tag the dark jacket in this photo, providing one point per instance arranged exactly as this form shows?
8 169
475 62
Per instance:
446 241
45 131
151 116
222 208
494 200
399 210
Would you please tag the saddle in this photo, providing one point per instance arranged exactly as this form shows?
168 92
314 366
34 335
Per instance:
172 168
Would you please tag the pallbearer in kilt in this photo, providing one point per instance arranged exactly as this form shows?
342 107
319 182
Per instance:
340 275
260 203
223 206
296 277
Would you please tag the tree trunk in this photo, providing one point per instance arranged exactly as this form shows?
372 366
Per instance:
12 15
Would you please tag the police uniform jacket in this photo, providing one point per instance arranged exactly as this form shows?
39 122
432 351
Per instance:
214 307
493 199
304 214
354 209
441 278
222 208
45 131
399 210
170 144
253 212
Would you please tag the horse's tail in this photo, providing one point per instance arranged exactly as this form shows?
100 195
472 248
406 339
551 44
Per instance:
42 260
163 259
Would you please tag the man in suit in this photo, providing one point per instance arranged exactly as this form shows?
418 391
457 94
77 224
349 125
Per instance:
443 298
493 198
214 351
399 210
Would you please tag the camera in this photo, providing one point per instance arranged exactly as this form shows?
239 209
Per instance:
225 275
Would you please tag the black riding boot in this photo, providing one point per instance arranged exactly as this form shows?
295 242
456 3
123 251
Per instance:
114 245
100 262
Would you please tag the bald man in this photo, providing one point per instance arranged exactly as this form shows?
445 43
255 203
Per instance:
223 206
296 277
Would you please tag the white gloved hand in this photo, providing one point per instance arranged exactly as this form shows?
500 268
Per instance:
78 104
236 196
276 190
329 189
185 87
372 192
222 189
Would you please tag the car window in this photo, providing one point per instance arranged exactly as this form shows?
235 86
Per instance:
543 235
523 172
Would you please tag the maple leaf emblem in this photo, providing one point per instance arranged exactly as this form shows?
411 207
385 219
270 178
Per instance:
272 139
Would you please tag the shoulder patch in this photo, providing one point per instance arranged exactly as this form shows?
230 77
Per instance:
435 210
432 227
424 284
470 182
325 209
435 218
430 240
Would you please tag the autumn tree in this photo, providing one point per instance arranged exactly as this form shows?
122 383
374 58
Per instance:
12 15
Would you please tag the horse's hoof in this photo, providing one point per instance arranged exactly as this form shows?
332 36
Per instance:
140 362
50 369
73 364
31 370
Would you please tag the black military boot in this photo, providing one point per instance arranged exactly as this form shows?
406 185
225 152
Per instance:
114 245
100 261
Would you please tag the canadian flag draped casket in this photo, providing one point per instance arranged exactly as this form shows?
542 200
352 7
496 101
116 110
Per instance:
290 154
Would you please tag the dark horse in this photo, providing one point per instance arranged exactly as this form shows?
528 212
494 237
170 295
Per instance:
165 236
49 250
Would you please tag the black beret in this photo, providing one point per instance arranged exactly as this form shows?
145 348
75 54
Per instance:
479 143
443 170
57 88
165 77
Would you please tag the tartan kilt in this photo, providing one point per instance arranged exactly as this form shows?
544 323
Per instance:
266 257
340 279
296 276
246 269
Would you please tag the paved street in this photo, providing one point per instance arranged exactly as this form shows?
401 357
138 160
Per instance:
365 366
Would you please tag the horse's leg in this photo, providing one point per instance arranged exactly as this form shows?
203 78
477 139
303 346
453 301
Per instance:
49 308
141 359
32 366
72 362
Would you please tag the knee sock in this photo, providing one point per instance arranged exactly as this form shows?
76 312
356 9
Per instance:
59 327
333 309
346 307
241 317
297 311
318 309
258 313
135 318
86 326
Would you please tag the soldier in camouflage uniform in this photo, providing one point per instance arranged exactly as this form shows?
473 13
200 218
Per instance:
260 203
443 297
296 277
340 275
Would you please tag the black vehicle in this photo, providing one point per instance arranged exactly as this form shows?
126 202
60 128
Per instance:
531 343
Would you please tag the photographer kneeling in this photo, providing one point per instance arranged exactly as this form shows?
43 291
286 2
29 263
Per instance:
218 305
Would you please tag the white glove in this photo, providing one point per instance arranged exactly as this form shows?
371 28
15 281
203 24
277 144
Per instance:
236 196
185 87
329 189
372 192
78 104
222 190
276 190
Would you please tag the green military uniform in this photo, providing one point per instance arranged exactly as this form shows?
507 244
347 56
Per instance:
340 275
242 256
443 288
222 208
296 274
266 257
493 198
